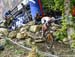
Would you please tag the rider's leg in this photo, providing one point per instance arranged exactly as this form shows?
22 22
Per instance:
44 28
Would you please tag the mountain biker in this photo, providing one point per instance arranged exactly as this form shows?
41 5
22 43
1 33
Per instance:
46 21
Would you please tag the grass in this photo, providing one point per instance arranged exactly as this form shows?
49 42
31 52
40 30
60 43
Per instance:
13 51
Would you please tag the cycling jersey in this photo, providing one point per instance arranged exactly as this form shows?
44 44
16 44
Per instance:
46 20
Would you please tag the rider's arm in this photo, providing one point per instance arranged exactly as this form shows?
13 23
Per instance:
42 20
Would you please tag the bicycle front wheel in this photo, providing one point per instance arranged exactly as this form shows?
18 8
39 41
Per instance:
49 40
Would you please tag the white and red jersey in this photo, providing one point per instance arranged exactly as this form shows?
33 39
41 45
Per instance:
46 19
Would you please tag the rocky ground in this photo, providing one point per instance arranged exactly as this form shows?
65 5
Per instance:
15 51
27 36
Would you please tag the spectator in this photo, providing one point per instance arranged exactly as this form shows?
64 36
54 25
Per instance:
37 19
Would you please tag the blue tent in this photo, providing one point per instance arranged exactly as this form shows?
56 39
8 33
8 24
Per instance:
34 7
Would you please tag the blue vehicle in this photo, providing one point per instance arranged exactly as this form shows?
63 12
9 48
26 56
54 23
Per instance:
19 17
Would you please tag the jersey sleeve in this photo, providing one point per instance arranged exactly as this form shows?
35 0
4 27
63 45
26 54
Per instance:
42 20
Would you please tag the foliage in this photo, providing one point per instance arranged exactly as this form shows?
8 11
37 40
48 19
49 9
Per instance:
73 40
40 55
16 50
73 45
73 36
53 4
58 4
62 32
72 3
47 4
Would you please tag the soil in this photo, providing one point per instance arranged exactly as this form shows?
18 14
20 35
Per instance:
13 51
59 49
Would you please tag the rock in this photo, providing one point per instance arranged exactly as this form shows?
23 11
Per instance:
33 43
73 43
21 35
28 41
65 40
4 31
33 53
12 34
2 42
39 41
53 28
31 23
2 23
21 42
24 33
1 35
24 28
35 28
